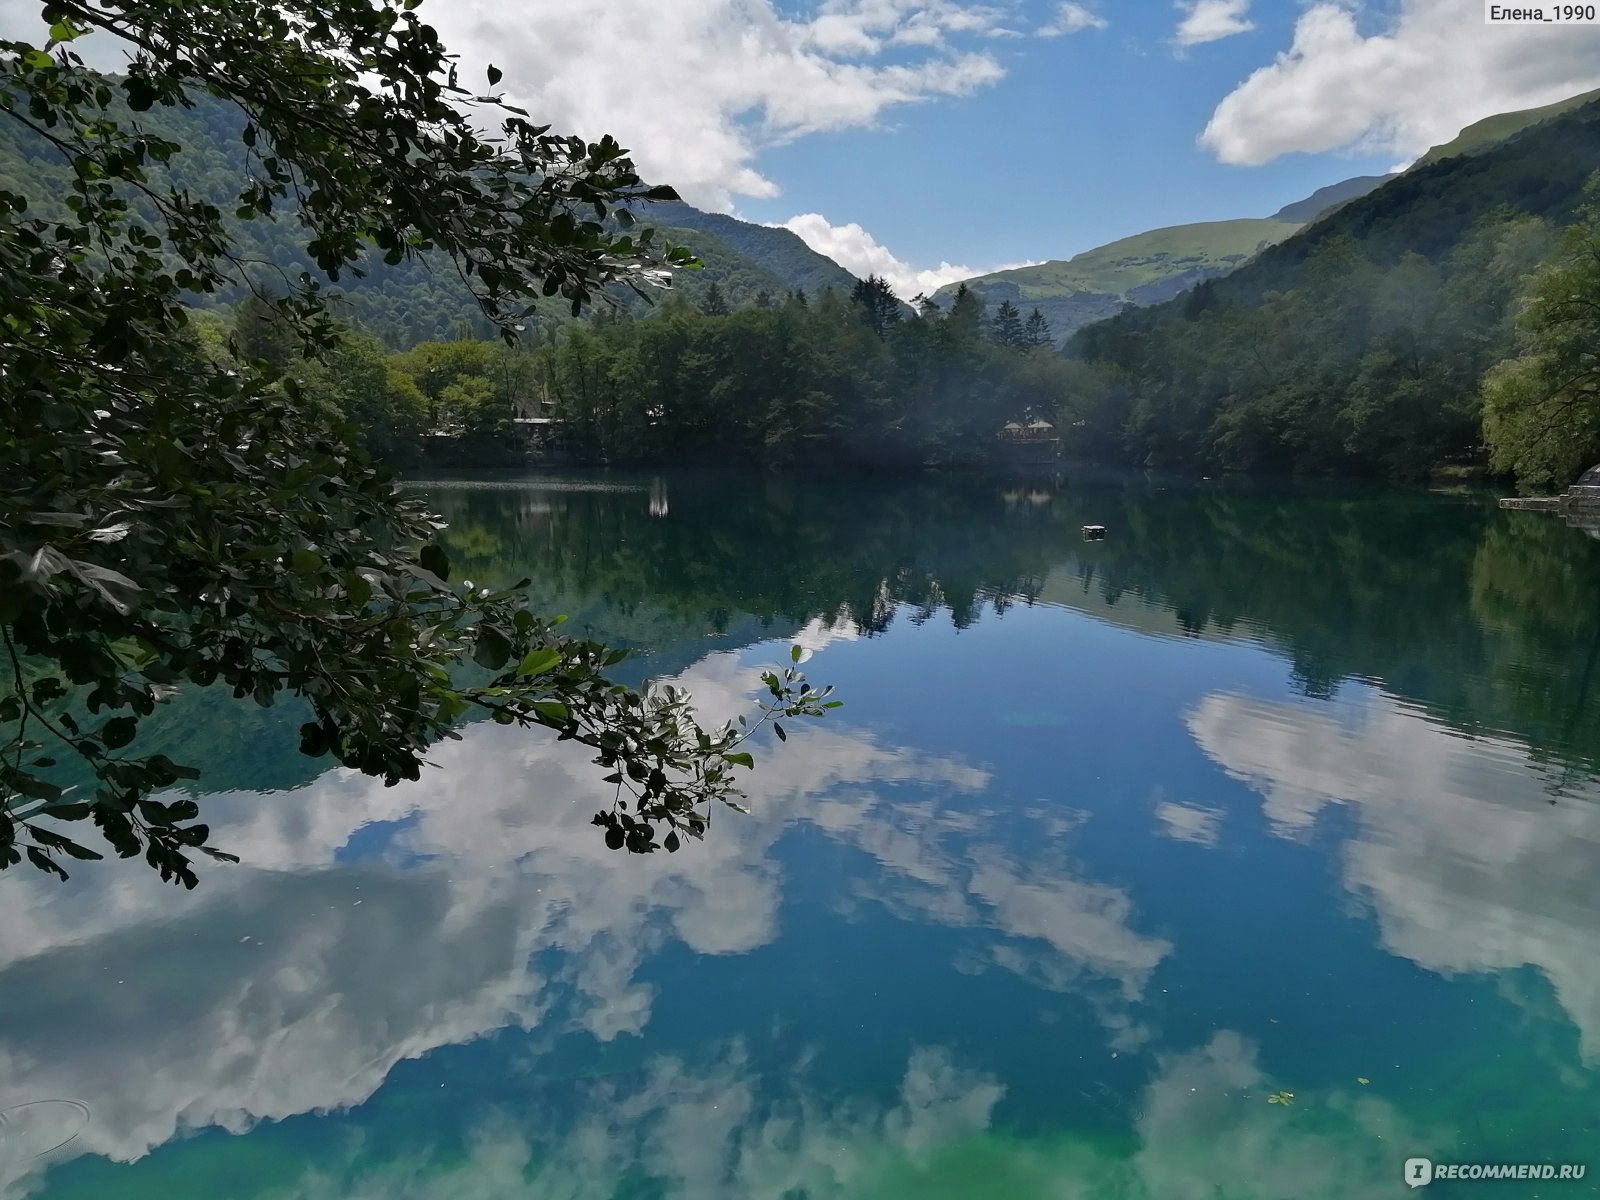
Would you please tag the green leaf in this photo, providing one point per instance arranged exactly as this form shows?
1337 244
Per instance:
66 812
34 789
434 559
118 732
45 863
553 711
538 661
494 75
492 648
304 562
742 758
55 841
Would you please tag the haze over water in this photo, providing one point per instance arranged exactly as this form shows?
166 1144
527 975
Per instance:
1247 853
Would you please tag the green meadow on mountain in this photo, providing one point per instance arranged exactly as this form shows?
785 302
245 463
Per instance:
1150 267
1481 135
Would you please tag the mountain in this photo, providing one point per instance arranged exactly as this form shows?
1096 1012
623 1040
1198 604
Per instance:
420 300
1152 267
1325 200
1146 268
1481 135
1357 345
779 252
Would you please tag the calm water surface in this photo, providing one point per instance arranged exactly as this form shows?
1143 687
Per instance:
1274 793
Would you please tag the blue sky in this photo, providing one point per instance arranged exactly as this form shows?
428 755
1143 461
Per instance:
1088 138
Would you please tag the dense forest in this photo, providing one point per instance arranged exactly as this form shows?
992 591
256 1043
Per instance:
833 378
1359 345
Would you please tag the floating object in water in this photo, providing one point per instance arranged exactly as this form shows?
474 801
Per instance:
1281 1098
1094 533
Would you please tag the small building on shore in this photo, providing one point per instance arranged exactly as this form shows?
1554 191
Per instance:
1031 442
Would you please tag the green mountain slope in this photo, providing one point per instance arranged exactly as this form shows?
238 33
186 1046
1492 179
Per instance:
1324 200
421 300
1152 267
779 252
1146 268
1481 135
1358 344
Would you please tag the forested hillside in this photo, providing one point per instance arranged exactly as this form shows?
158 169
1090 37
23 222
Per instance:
780 252
1356 346
420 300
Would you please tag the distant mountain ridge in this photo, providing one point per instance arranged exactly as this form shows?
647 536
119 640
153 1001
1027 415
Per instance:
1324 200
1152 267
1489 132
421 300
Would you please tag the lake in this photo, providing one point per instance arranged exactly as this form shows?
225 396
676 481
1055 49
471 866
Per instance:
1248 853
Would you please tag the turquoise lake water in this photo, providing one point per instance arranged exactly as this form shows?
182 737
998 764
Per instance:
1248 853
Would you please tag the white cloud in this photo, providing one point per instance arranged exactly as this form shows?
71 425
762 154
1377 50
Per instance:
1460 853
726 1124
1072 18
1190 823
1414 84
284 997
858 252
698 88
1213 20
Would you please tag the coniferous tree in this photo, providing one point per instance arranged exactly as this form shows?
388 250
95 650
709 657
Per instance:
880 307
1037 334
966 313
1008 330
713 304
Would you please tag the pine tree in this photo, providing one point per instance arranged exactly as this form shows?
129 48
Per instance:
966 314
1008 329
880 307
1037 334
712 304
